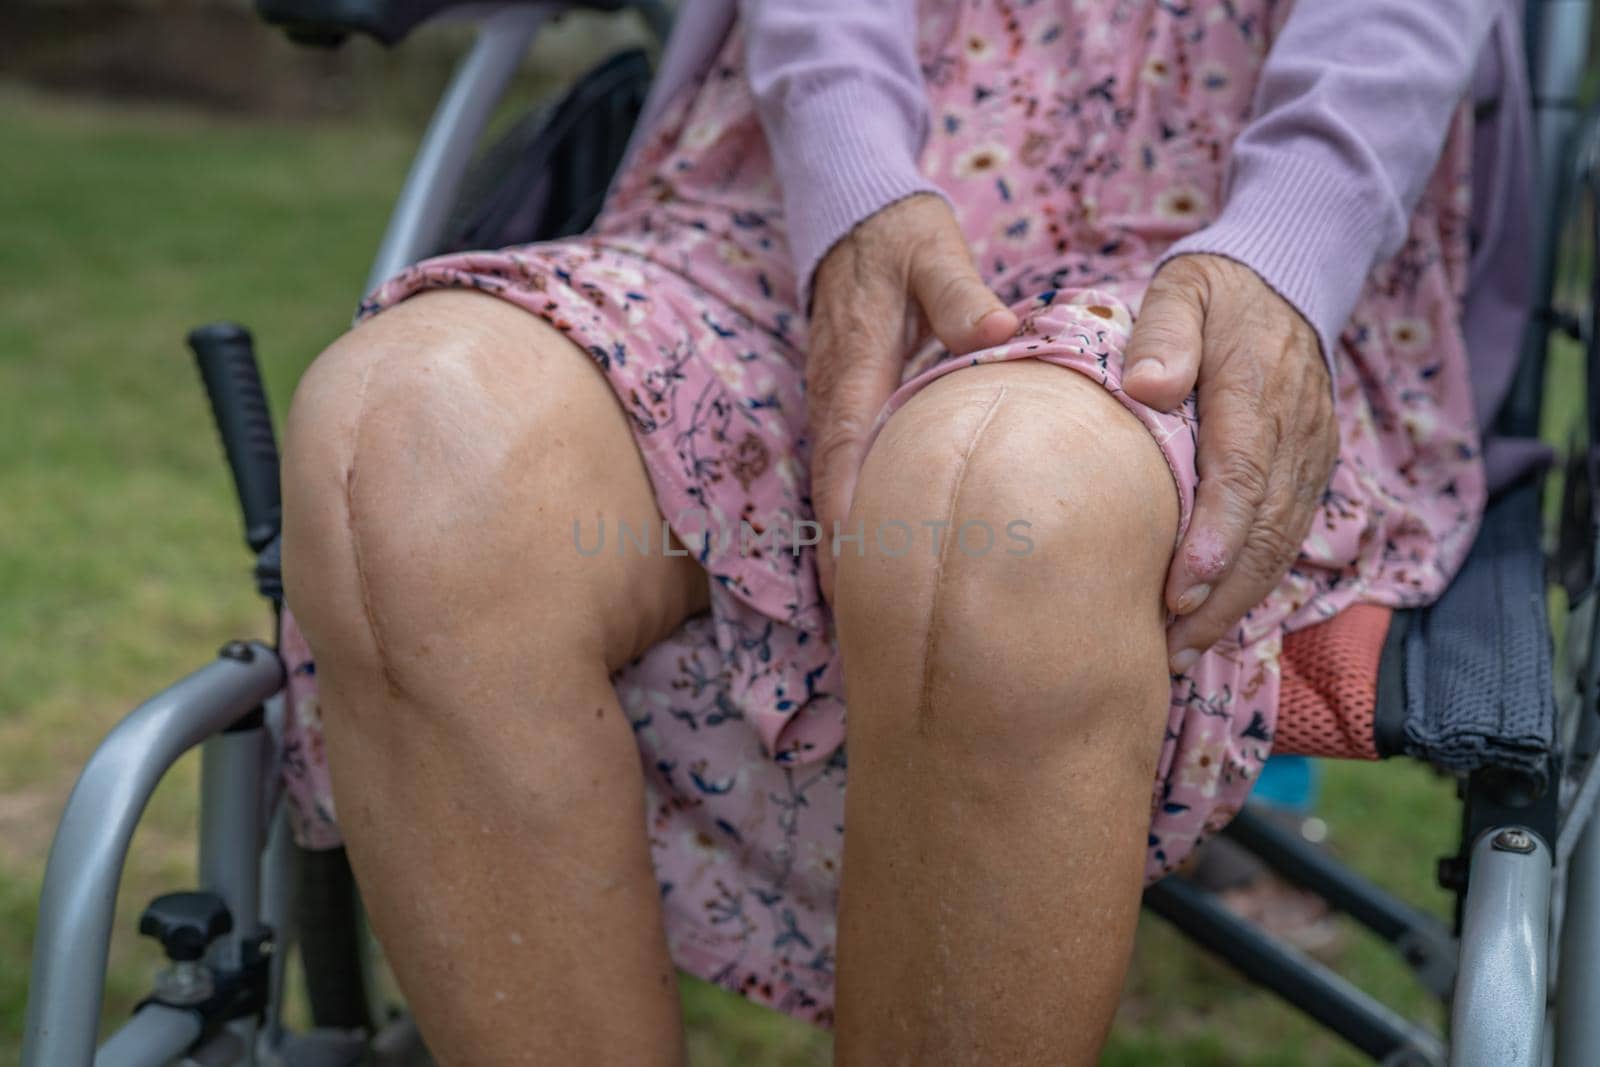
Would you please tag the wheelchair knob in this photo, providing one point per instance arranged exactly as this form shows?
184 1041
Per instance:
186 923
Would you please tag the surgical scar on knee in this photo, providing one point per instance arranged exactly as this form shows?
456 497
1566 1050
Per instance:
924 713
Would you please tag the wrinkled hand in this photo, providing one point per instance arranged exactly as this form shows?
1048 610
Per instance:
901 273
1267 438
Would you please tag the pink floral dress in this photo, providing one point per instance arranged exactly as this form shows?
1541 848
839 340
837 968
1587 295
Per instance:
1077 139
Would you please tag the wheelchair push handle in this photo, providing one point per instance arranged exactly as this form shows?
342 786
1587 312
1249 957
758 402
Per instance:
226 356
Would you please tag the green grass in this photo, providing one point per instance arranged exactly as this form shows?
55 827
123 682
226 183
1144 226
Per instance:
121 567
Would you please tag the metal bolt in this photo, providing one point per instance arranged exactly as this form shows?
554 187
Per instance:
238 651
185 984
1513 841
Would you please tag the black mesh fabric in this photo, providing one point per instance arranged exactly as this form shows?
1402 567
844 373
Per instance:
1479 690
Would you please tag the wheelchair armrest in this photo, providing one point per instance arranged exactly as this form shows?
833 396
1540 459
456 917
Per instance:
329 22
1467 683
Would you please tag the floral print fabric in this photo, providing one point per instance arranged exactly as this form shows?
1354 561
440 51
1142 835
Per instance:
1076 141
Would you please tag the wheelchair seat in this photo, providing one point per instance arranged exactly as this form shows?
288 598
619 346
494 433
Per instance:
329 22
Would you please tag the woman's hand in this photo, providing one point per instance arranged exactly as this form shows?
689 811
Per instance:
1267 438
900 273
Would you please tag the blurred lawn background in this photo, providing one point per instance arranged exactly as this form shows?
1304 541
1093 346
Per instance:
121 226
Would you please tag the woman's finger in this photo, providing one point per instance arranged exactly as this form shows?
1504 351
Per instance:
1264 445
852 368
1235 453
962 311
1269 549
1162 359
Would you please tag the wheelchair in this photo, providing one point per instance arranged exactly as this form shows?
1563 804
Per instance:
1496 684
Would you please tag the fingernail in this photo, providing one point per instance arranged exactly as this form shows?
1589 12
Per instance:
1193 598
987 315
1183 659
1145 368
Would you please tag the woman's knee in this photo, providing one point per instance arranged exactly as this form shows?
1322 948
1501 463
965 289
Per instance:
436 459
1031 598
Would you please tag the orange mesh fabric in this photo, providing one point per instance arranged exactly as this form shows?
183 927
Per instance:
1330 685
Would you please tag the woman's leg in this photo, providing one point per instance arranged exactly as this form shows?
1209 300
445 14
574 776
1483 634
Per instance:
1006 712
487 782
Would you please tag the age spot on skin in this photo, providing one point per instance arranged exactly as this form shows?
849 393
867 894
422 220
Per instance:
1205 555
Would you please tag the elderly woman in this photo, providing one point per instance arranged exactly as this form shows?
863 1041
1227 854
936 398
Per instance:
1013 372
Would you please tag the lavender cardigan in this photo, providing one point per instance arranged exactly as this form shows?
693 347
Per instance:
1352 109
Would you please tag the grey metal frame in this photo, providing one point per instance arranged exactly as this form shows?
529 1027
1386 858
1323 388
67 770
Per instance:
1498 1013
1506 983
423 208
1559 33
1577 995
1500 1005
85 866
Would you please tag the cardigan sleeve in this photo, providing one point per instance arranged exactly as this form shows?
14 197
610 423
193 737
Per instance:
1351 112
841 99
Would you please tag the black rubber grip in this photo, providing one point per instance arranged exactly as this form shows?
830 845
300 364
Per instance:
227 359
